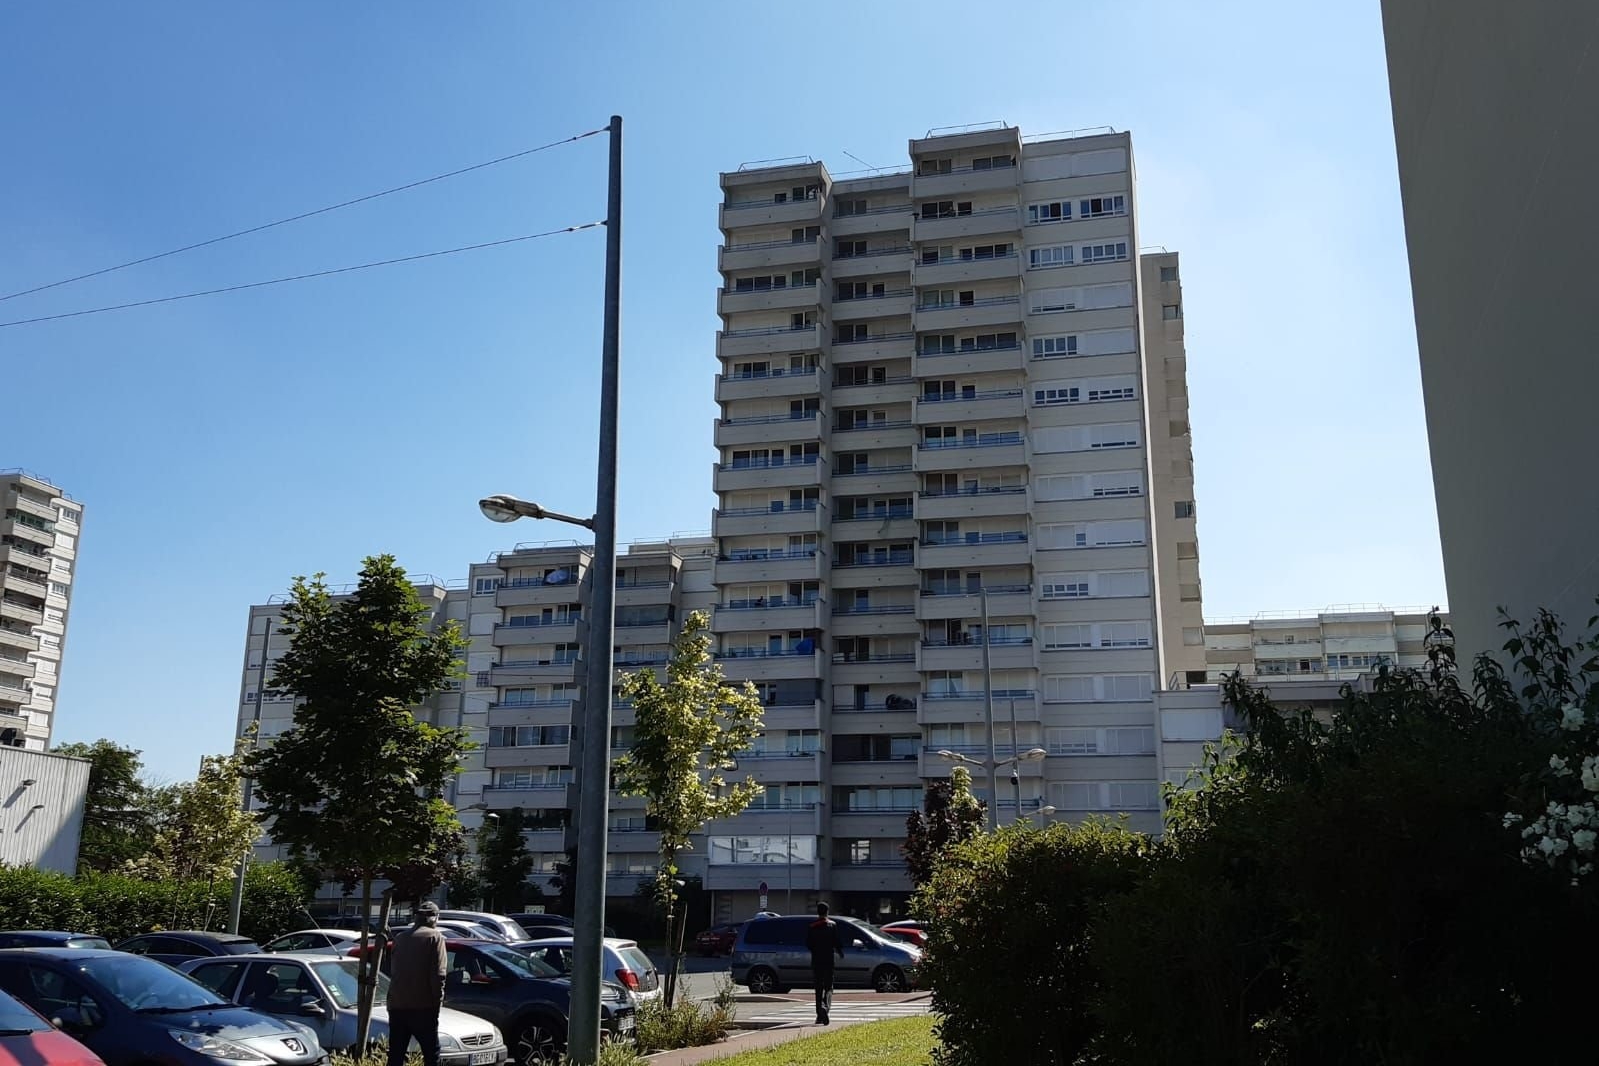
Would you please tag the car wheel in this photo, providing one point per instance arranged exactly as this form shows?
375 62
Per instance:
889 979
763 980
538 1043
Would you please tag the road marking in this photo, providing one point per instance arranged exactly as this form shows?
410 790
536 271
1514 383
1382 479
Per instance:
805 1014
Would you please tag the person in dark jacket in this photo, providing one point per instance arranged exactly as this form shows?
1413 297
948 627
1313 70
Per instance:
416 987
824 939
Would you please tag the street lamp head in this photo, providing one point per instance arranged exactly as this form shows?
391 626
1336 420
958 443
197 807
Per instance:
952 756
1033 755
1045 811
491 817
503 508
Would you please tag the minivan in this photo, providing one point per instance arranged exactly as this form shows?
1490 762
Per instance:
770 956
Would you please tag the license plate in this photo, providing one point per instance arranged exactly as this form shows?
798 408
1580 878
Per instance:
625 1024
483 1058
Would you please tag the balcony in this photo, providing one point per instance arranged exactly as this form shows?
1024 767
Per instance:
895 259
958 269
967 361
962 180
869 481
18 581
28 505
771 612
13 692
878 570
772 519
886 876
1374 645
20 529
736 214
991 222
538 592
13 662
532 712
973 503
935 765
769 429
17 611
977 550
852 621
941 708
1005 653
542 796
890 389
763 664
13 720
1003 600
778 767
875 668
557 631
888 219
779 298
11 638
874 436
528 671
652 633
985 451
780 876
793 715
754 567
871 822
895 523
766 474
982 405
894 303
538 755
874 349
643 593
770 819
768 340
736 258
987 311
29 557
774 384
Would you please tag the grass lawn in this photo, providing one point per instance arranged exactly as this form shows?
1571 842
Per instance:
901 1042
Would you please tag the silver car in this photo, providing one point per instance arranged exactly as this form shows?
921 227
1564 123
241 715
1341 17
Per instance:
316 942
508 929
770 956
320 991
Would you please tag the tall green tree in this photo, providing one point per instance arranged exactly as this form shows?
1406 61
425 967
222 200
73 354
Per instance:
117 825
202 830
505 861
356 785
950 814
689 730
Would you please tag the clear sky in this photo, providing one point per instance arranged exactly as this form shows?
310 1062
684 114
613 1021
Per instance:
223 445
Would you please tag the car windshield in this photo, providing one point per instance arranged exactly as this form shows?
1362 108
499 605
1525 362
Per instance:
515 960
149 986
88 942
483 932
340 977
513 929
240 947
15 1018
636 959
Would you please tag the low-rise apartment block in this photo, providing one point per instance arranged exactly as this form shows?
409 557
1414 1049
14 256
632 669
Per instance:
1338 643
39 529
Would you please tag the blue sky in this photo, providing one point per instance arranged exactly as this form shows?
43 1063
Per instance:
225 444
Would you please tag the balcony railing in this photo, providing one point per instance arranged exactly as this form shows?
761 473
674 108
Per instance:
520 704
867 427
865 471
983 440
993 590
1002 490
898 249
779 805
641 660
643 584
893 379
985 394
742 205
760 245
968 169
874 657
763 653
977 694
797 753
885 809
874 338
769 464
987 301
538 787
871 864
768 331
878 516
996 642
885 295
536 623
538 582
642 623
851 609
762 603
776 507
1003 751
767 420
933 354
891 209
886 559
572 661
975 538
965 259
756 556
770 372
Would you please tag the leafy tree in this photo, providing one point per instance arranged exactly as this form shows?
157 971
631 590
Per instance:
202 831
688 730
506 862
950 814
356 785
564 882
116 820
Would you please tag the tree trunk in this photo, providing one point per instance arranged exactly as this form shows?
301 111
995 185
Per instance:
671 960
365 971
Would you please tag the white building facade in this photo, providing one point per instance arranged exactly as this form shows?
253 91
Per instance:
39 530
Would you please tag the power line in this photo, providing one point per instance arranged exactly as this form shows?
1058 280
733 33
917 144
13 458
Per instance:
304 215
303 277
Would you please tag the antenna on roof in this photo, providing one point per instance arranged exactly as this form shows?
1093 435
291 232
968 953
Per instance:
861 161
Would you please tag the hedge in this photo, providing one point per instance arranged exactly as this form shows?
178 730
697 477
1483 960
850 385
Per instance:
117 907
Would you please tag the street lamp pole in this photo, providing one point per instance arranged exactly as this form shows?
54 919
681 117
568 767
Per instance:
1015 767
988 717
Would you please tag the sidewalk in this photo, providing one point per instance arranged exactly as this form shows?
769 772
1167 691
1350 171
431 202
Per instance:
742 1040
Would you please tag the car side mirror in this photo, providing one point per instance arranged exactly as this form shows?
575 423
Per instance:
312 1007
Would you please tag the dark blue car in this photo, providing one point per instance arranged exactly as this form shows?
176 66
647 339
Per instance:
177 948
49 938
132 1011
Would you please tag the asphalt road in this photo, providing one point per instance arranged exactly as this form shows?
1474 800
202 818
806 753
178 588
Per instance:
699 974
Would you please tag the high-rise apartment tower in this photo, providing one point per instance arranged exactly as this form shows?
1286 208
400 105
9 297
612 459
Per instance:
39 529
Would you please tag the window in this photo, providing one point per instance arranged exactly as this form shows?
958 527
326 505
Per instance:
1049 397
1053 211
851 332
1050 301
1171 312
1106 252
845 208
527 736
1185 508
1168 273
1054 347
1060 637
1054 255
1065 588
993 162
1090 486
849 249
485 586
1067 535
1101 206
986 251
932 167
1130 688
1085 438
805 235
60 589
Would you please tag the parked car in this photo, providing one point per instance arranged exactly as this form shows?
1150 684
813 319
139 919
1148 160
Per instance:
132 1010
26 1039
320 992
48 938
910 932
717 940
770 956
320 941
472 930
179 947
506 927
527 918
625 962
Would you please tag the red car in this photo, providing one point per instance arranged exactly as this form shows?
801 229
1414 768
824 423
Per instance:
717 940
911 932
26 1039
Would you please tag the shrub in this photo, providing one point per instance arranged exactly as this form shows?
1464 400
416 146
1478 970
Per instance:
686 1023
1010 917
117 907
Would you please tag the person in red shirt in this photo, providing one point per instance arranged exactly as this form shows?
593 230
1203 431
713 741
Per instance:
824 939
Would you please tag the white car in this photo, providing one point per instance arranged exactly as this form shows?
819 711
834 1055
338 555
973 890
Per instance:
626 963
507 928
320 992
316 942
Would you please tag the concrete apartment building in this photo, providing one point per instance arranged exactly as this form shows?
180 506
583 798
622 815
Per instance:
957 377
1489 98
39 529
1336 644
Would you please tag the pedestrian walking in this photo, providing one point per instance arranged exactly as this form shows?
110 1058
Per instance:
824 938
416 987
